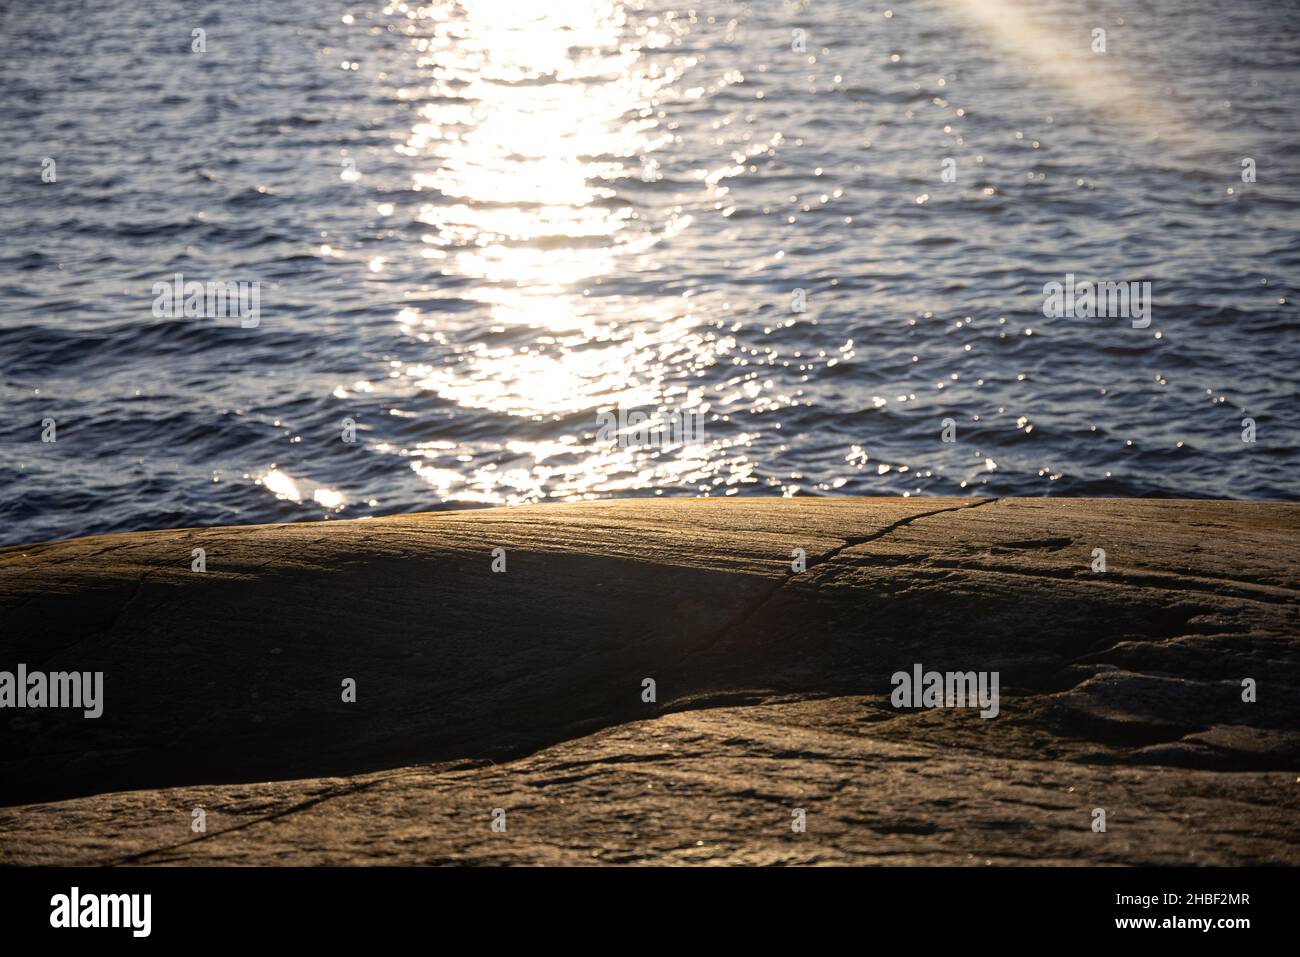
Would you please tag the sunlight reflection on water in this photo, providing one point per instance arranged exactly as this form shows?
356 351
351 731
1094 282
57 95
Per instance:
531 110
480 224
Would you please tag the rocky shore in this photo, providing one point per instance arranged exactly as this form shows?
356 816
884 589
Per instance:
655 681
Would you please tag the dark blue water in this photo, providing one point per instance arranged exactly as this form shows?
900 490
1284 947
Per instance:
475 226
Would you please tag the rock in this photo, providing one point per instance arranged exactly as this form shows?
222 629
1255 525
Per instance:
525 690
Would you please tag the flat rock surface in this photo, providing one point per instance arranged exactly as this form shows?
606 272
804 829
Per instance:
522 690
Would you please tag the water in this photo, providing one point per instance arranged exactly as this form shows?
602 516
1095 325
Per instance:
477 225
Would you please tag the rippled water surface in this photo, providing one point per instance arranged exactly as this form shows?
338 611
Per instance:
477 225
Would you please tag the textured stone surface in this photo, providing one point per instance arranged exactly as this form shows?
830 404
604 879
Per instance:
523 690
